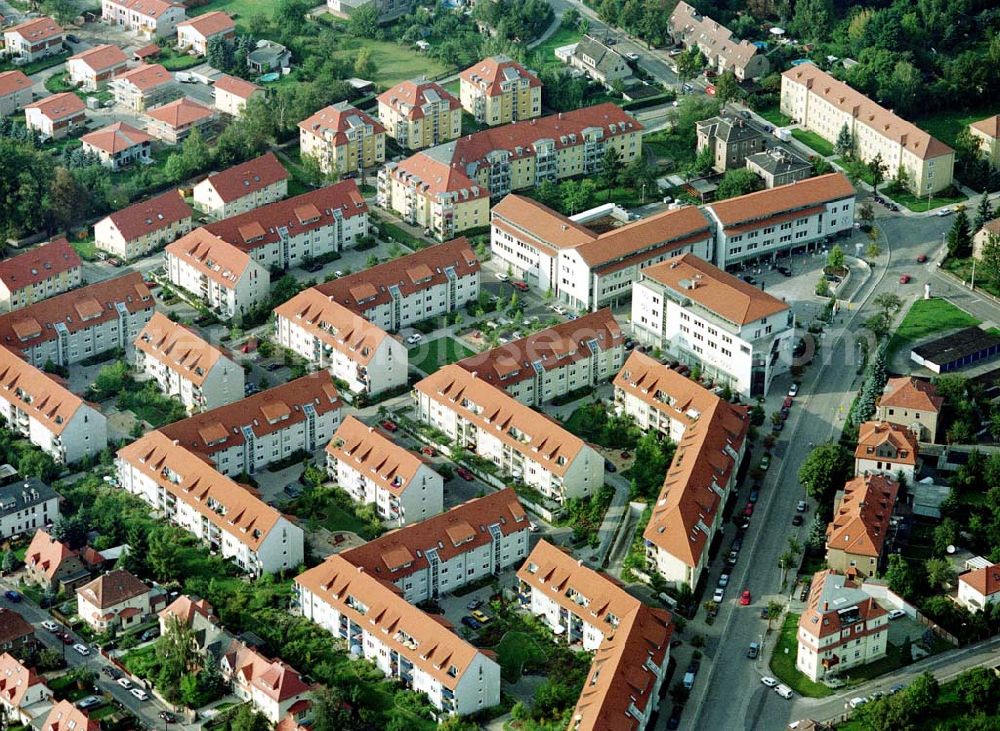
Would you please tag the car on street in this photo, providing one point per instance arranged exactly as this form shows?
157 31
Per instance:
922 259
503 276
783 690
946 211
763 613
113 673
12 596
765 462
471 622
167 716
787 403
737 543
390 426
481 616
732 558
465 474
533 527
796 519
754 495
745 598
312 266
801 507
674 721
777 426
753 651
794 390
140 694
428 451
893 689
904 279
748 510
50 625
72 38
710 89
769 681
125 683
857 702
338 274
784 412
610 466
691 673
474 604
724 580
804 592
631 56
66 637
784 271
89 702
520 286
896 614
414 339
719 594
559 309
82 649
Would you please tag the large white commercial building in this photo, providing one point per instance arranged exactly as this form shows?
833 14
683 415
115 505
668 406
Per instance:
427 283
580 267
248 435
735 333
521 442
332 337
373 470
422 652
710 434
185 366
440 555
81 323
570 356
59 422
180 485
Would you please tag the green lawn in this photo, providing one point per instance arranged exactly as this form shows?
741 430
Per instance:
545 52
86 249
814 141
919 205
783 662
926 317
774 116
397 233
453 87
515 650
237 9
430 355
394 62
35 66
947 124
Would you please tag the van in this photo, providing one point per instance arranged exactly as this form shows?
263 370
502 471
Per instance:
783 690
688 680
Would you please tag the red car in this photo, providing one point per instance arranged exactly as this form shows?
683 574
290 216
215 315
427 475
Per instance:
905 279
710 90
465 474
748 510
745 598
390 426
520 286
922 258
788 402
429 451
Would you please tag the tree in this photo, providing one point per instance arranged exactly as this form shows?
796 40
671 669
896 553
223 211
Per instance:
923 693
873 250
845 141
835 259
611 168
247 718
984 213
727 88
867 213
737 182
364 21
774 610
220 54
163 553
813 19
940 574
364 64
979 688
689 63
888 302
900 576
990 258
66 199
703 161
578 195
877 168
960 237
824 469
8 562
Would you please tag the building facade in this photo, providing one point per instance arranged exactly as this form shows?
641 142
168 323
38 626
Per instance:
144 227
232 94
885 448
116 599
15 92
735 333
119 145
34 39
53 565
149 19
27 505
56 116
599 61
196 33
144 87
242 187
38 274
857 537
980 588
332 337
373 470
343 139
731 139
95 66
24 696
723 52
777 167
172 122
499 90
527 446
824 105
911 403
419 114
987 133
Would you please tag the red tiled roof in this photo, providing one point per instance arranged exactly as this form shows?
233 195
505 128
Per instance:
822 619
149 8
763 205
310 211
210 24
186 607
911 393
409 97
553 348
116 138
13 81
210 255
16 680
248 177
178 348
490 74
874 434
366 289
64 716
181 113
371 452
436 178
37 265
236 87
13 627
101 58
46 554
989 126
861 520
334 324
333 122
78 309
150 51
151 215
401 552
985 581
38 29
112 589
147 77
59 106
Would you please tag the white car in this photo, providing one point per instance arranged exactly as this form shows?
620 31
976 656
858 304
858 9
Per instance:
82 649
559 310
533 527
414 339
783 690
140 694
794 390
50 625
947 211
503 276
857 702
718 595
769 681
338 274
125 683
896 614
723 580
631 56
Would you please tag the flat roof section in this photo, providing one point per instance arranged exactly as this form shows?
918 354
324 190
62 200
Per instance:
957 350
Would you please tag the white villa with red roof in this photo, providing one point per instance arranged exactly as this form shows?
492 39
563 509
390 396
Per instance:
912 403
143 227
887 449
979 588
116 599
55 116
196 32
34 39
232 94
273 687
96 65
144 87
842 627
39 273
242 187
172 122
24 696
119 145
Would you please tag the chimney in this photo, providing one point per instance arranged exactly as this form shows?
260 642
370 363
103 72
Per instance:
826 606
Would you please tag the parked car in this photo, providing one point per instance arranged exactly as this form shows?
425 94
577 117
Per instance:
72 38
893 689
691 673
50 625
946 211
125 683
12 596
140 694
474 604
503 276
428 451
796 519
82 649
922 259
769 681
896 614
313 266
732 558
520 286
753 651
801 507
414 339
794 390
390 426
465 474
89 702
532 527
804 592
754 495
745 598
150 634
765 462
904 279
674 721
168 717
471 622
724 580
631 56
719 594
481 616
783 690
610 466
857 702
748 510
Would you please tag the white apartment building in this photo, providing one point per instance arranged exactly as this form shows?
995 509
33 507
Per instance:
119 145
196 33
437 556
54 117
225 278
841 628
150 19
242 187
78 324
404 643
584 269
247 435
777 220
565 358
630 641
91 68
232 94
711 440
33 39
26 505
57 421
334 338
413 288
144 87
15 92
185 489
285 233
824 105
373 470
185 366
523 443
144 227
735 333
38 274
